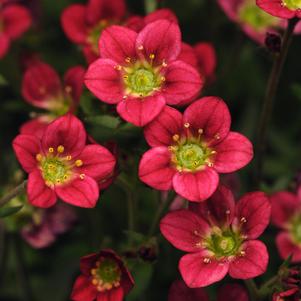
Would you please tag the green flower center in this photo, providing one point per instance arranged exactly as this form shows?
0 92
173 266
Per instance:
95 33
191 156
292 4
54 170
251 14
295 228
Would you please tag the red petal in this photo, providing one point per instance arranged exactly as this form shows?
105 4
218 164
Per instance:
82 193
276 8
104 81
117 43
198 186
161 130
286 247
141 111
74 23
34 127
161 38
4 44
135 23
26 148
197 273
184 230
253 263
67 131
83 290
253 213
183 83
188 55
116 294
155 169
159 14
231 292
212 115
233 153
38 193
230 8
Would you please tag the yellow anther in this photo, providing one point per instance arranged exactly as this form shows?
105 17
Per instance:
78 163
163 79
151 56
93 272
242 253
68 89
60 149
213 152
51 166
206 260
58 181
125 76
118 67
82 176
69 158
128 59
65 177
186 125
175 137
210 164
51 149
195 163
39 157
140 47
94 281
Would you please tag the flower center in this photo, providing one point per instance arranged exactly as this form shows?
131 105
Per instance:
106 274
251 14
295 228
292 4
190 156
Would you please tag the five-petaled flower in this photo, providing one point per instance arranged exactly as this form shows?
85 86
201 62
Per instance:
220 236
190 150
286 214
140 72
60 164
14 21
104 277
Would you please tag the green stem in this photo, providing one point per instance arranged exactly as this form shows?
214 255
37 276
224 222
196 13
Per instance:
150 6
265 289
253 290
271 90
14 193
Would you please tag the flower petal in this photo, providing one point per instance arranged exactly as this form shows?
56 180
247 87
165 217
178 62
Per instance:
276 8
161 38
253 263
198 273
188 55
286 247
4 44
231 292
233 153
155 169
38 193
183 83
184 230
212 115
141 111
163 13
104 81
160 131
26 148
79 192
196 187
116 294
253 213
34 127
83 290
117 43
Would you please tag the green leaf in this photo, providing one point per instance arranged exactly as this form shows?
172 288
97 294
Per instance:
7 211
3 81
106 121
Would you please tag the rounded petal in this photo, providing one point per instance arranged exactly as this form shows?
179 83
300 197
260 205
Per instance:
67 131
74 23
183 83
38 193
26 148
163 13
161 38
117 43
284 205
286 247
198 273
184 230
104 81
212 115
233 153
253 263
135 23
34 127
231 292
16 20
253 213
230 8
160 131
218 209
116 294
41 85
141 111
155 169
276 8
198 186
98 162
4 44
188 55
79 192
83 290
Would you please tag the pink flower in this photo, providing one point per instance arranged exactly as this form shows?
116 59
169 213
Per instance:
141 72
286 9
42 88
220 237
83 24
61 165
286 214
104 277
190 150
14 21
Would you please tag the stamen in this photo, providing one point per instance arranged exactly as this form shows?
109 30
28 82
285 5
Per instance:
140 47
213 152
39 157
82 176
175 137
217 136
228 212
128 59
60 149
210 164
69 158
78 163
118 67
163 79
186 125
164 64
50 149
243 220
206 260
151 56
242 253
68 89
124 97
200 131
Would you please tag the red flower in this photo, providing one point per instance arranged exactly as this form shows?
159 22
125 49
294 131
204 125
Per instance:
42 88
190 150
60 164
286 214
83 24
140 72
14 21
289 295
104 277
220 237
286 9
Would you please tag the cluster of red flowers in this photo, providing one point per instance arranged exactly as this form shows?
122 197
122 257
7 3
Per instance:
141 65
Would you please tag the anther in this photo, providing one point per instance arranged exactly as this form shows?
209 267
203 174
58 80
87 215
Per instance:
140 47
217 136
175 137
186 125
242 253
51 149
243 220
78 163
58 181
39 157
68 89
206 260
163 79
213 152
82 176
125 76
200 131
128 59
164 64
210 164
124 97
118 67
94 281
69 158
60 148
151 56
228 212
93 272
65 177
